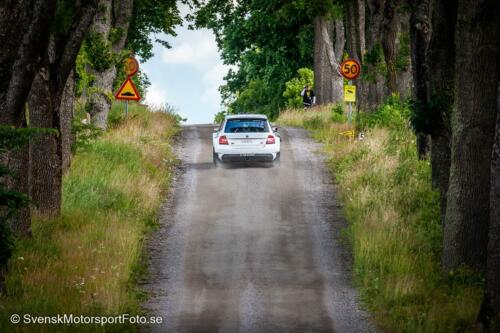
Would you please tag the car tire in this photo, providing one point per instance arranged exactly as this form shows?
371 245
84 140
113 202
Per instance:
216 160
277 160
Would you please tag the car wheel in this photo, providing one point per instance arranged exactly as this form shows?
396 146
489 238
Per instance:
216 160
277 160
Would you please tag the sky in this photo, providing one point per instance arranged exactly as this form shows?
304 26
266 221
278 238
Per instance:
188 75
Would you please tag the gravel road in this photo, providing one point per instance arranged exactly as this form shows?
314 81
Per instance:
251 248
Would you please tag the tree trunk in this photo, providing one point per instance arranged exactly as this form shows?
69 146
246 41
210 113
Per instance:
45 150
390 29
14 17
489 315
327 81
374 82
66 119
404 73
441 67
420 29
47 110
360 20
351 29
473 127
115 15
354 16
24 34
34 42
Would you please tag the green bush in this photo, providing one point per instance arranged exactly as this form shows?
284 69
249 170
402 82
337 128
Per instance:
313 123
219 117
258 97
393 114
294 87
338 115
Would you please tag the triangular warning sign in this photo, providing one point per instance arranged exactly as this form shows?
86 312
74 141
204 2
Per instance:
128 91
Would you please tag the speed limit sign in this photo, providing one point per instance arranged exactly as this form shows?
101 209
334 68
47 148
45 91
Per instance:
131 66
350 69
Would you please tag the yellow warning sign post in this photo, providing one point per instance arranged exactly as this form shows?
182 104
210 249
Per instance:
349 93
128 91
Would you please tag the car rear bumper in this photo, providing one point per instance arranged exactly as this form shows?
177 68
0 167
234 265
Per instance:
247 157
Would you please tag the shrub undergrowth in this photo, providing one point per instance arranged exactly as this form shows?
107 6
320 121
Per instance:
86 262
393 221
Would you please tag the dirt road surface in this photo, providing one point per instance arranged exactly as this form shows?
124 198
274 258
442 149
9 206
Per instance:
252 248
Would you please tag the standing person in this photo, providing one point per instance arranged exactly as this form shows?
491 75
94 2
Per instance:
308 97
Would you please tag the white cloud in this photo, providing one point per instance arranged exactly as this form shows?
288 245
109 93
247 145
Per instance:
198 49
215 75
155 96
212 79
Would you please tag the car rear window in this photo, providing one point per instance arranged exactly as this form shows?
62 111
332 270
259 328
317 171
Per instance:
246 125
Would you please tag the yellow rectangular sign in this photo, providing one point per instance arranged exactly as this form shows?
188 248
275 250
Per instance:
348 133
349 93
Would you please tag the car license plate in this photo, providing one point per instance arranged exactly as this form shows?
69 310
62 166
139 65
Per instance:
246 141
247 155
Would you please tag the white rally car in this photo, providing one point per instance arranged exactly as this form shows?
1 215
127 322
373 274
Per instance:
246 137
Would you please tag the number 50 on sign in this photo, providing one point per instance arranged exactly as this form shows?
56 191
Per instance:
350 69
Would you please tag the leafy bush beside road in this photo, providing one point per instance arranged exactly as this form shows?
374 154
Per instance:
393 222
86 261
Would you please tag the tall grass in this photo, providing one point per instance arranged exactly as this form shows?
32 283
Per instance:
393 222
87 261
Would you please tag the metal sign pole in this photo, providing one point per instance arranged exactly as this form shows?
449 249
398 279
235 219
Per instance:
126 108
349 118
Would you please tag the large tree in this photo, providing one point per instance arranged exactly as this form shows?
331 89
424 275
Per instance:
420 33
268 41
105 41
473 125
441 71
329 42
122 28
24 34
46 106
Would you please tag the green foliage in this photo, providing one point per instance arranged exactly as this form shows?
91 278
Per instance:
258 97
430 118
373 64
11 140
244 35
294 87
99 53
83 78
338 115
313 123
219 117
115 34
394 113
151 17
404 51
85 135
86 261
394 225
65 10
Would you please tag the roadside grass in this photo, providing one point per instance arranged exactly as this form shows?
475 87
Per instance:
393 222
87 261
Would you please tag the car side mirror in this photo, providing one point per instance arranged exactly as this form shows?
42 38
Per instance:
275 129
216 129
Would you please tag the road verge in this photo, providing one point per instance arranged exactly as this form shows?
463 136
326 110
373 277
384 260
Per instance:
87 261
394 225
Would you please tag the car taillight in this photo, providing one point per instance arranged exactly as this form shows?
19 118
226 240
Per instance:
223 140
270 140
